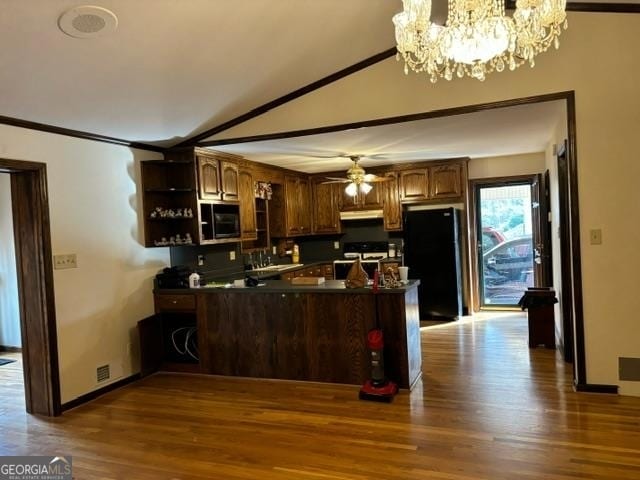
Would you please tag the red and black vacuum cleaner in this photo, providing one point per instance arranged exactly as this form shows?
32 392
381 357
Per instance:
378 388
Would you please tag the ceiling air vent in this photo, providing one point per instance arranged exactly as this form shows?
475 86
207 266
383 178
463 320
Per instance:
87 21
103 373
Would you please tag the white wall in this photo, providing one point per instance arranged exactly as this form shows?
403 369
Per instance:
507 165
9 307
95 213
598 59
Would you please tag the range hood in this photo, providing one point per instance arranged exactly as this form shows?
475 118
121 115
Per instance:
360 214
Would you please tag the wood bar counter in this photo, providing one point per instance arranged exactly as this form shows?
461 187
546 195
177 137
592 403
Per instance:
313 333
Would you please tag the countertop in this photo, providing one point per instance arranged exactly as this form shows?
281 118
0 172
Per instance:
282 286
262 274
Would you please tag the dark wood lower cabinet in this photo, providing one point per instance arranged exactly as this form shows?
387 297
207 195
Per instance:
289 336
307 336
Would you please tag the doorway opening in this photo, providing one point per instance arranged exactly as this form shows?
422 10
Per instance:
505 260
12 386
34 271
509 239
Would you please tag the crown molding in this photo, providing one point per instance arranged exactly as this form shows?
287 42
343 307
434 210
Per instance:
67 132
447 112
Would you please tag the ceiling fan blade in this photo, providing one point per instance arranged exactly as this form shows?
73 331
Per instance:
370 177
336 180
325 155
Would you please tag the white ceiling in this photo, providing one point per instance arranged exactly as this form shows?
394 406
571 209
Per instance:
504 131
175 68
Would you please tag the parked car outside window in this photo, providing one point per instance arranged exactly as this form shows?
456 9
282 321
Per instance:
508 270
491 237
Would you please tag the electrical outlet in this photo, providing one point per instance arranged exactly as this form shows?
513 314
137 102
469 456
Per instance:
595 236
336 245
200 260
61 262
274 250
232 255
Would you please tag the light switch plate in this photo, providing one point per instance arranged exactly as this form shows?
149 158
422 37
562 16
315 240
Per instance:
595 236
232 255
200 260
62 262
336 245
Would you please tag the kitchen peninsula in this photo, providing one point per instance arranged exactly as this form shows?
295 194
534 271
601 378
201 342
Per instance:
313 333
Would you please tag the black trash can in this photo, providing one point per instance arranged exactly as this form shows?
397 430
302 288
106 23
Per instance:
539 305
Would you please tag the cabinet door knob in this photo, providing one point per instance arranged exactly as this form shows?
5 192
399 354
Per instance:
174 301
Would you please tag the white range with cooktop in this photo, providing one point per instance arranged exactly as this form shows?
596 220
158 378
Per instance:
369 253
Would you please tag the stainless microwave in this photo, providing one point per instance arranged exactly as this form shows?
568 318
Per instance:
226 225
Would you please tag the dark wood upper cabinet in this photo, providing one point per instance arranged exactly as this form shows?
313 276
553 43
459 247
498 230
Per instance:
414 185
229 180
446 181
369 201
217 179
290 207
209 178
326 214
201 182
391 207
440 181
246 195
298 205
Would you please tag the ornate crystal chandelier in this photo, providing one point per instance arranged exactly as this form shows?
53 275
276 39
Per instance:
477 37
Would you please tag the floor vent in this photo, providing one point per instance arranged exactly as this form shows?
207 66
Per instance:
103 373
629 369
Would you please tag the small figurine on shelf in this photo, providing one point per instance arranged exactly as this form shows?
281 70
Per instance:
190 213
187 239
178 239
172 240
263 190
154 214
171 214
178 213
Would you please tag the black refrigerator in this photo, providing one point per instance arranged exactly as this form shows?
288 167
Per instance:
432 253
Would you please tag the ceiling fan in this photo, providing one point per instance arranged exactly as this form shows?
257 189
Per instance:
357 178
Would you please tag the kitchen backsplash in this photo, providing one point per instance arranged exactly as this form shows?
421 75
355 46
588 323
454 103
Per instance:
217 262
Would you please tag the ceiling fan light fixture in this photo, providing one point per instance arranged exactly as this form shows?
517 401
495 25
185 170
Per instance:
351 190
365 188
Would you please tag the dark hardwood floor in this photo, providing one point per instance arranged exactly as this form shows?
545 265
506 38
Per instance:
488 408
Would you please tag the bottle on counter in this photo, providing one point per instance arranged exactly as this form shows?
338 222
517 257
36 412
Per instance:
295 254
194 280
